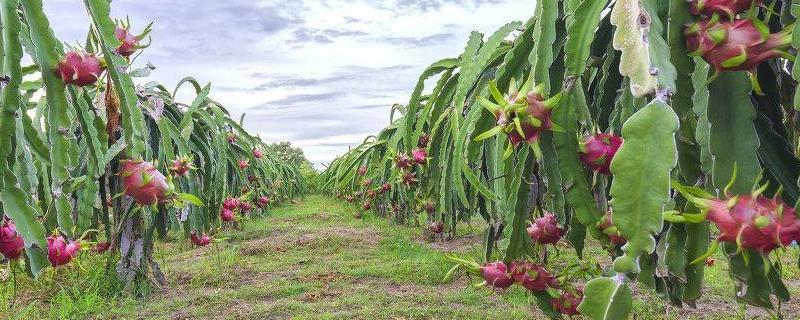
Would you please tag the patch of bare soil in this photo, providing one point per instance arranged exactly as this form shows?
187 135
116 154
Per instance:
459 244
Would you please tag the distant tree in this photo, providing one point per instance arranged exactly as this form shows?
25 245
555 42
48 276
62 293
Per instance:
293 155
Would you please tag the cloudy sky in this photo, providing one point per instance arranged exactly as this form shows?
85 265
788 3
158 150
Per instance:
322 74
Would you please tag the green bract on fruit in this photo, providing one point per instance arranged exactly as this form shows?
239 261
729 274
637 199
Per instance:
522 115
737 45
144 183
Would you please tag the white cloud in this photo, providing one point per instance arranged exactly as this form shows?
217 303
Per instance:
320 73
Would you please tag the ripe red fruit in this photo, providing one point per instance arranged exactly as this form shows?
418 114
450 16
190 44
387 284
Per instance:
423 141
202 241
726 8
230 204
710 262
496 274
757 223
567 303
402 161
244 163
59 252
738 45
598 150
366 206
371 194
385 187
257 154
362 170
11 243
532 276
419 156
436 227
101 247
263 201
142 182
245 206
80 69
607 227
227 215
130 43
409 179
545 230
181 166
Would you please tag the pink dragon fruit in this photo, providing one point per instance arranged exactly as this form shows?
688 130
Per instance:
728 8
101 247
496 275
423 141
757 223
11 243
545 230
142 182
181 166
567 303
436 227
362 170
231 203
366 206
385 187
532 276
244 163
201 241
231 137
227 215
245 206
522 116
597 151
409 179
606 226
263 201
258 154
80 69
130 42
402 161
59 252
419 156
372 194
738 45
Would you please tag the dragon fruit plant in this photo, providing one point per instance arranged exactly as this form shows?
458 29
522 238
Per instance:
600 112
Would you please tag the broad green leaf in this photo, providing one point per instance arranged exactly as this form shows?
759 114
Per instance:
641 186
606 299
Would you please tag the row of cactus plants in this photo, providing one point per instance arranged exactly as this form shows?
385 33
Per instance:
89 159
662 129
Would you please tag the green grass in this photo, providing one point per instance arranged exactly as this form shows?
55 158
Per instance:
313 260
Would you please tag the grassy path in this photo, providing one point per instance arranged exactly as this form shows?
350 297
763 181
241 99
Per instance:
312 260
